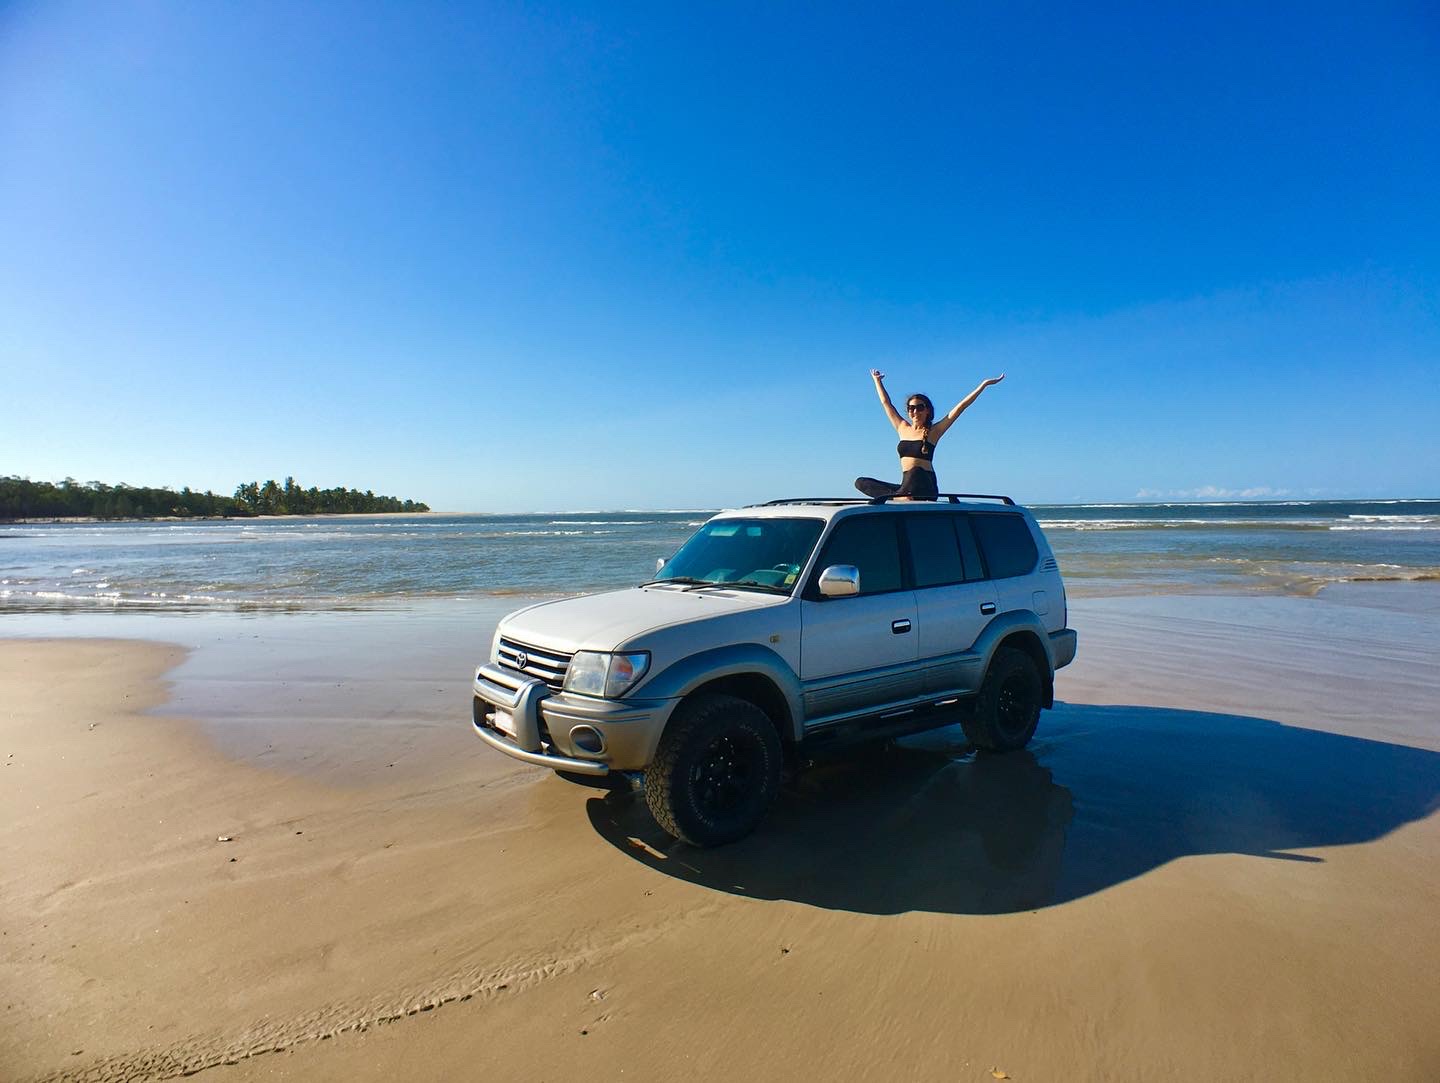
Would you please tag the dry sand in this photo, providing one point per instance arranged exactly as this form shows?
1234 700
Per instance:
1219 860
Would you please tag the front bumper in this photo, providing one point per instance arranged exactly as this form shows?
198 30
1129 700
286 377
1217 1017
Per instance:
497 740
523 718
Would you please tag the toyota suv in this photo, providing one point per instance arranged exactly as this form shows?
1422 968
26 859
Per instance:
777 631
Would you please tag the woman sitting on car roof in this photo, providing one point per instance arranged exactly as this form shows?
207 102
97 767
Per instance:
918 437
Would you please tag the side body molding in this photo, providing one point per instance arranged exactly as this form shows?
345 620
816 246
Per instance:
735 660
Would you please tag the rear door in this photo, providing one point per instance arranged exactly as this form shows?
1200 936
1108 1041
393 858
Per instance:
953 600
859 652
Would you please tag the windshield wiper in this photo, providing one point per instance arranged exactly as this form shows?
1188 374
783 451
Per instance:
750 584
689 582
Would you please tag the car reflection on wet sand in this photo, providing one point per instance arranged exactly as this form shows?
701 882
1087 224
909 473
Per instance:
1103 794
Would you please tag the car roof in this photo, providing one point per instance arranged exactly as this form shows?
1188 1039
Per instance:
829 507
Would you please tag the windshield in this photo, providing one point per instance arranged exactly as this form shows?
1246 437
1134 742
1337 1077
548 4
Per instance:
762 554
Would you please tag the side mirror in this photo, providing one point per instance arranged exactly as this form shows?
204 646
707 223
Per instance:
840 581
660 562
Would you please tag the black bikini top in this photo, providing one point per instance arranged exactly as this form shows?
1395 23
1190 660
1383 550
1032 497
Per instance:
916 449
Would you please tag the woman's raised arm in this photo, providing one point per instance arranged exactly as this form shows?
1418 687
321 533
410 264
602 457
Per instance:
937 430
890 411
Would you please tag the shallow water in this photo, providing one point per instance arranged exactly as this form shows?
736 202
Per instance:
317 563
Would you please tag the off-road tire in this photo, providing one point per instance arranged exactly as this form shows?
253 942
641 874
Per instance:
1007 708
716 771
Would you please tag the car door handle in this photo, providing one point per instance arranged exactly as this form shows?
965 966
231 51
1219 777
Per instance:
987 608
899 627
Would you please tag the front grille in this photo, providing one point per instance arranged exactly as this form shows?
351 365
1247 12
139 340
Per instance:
548 665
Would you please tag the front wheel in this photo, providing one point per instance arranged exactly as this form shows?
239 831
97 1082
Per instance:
1007 708
716 771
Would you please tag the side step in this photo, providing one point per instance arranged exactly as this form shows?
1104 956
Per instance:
885 725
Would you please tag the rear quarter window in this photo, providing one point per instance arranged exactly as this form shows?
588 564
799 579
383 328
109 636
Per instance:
1007 544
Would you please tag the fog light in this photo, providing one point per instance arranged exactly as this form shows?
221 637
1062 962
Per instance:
587 739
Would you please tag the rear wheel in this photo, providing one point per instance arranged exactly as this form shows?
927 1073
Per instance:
1007 708
716 771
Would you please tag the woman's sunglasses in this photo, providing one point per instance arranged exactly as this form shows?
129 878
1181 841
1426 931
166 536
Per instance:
914 407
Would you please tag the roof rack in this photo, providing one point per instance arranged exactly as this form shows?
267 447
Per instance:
953 498
813 500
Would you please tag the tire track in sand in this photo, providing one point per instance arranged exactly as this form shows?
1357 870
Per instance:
197 1053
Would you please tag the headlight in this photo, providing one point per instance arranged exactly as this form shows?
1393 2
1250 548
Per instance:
495 646
594 673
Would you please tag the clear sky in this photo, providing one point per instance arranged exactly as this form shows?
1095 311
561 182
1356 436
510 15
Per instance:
539 256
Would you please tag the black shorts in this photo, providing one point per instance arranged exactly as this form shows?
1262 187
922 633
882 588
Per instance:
918 483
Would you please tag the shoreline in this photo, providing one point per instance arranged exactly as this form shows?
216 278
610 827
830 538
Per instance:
58 520
1182 842
1077 589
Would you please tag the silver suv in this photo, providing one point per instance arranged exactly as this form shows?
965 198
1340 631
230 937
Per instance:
775 632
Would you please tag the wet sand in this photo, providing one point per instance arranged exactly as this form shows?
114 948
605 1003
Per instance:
1219 859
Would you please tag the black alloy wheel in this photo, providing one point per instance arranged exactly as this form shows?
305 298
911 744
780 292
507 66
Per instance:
725 774
1017 706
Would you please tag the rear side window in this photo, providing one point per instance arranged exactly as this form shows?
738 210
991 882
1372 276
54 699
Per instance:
934 550
1006 542
870 543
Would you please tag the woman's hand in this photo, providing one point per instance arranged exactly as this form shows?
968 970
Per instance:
993 380
879 377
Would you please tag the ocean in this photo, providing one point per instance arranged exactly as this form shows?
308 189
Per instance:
329 563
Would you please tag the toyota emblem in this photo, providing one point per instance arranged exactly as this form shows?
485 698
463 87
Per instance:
521 659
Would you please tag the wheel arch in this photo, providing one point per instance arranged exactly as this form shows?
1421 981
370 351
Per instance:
756 688
748 671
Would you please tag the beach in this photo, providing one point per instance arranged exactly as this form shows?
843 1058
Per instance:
1218 859
414 409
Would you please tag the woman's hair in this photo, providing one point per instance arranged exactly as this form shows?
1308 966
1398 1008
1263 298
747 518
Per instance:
929 408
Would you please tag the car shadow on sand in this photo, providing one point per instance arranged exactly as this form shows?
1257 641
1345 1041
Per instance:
1102 795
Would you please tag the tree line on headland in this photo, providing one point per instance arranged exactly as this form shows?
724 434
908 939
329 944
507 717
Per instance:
21 498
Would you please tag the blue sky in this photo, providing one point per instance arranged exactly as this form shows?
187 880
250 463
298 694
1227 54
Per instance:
539 257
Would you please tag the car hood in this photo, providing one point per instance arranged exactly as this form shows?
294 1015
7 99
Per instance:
602 622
